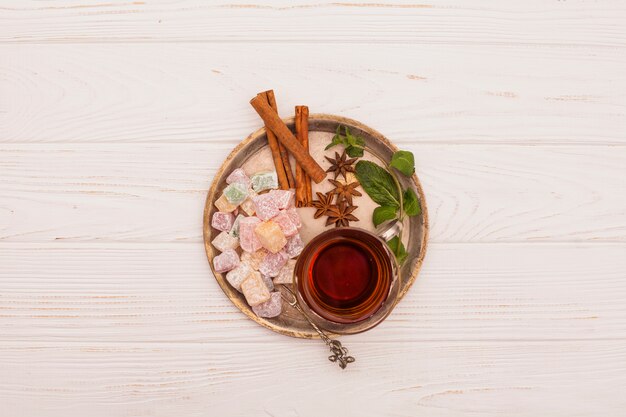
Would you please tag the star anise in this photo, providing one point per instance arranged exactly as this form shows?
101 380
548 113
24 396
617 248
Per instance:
323 203
345 192
340 165
341 215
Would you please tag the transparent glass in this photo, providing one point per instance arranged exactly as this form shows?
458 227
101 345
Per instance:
346 280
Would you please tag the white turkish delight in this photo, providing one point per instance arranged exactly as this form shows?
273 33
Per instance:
238 275
225 241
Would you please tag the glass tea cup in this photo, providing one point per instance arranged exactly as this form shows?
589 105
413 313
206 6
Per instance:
346 280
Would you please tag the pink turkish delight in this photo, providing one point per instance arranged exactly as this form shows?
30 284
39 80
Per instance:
238 176
284 198
248 239
294 216
285 275
266 207
286 225
294 246
254 289
225 261
271 236
270 308
273 263
222 221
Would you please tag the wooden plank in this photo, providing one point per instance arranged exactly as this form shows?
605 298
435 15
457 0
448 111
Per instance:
286 377
156 193
165 293
533 22
416 94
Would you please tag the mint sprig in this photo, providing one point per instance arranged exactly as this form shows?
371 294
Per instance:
382 184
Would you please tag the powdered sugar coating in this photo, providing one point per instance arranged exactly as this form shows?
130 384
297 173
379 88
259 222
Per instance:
238 275
225 261
225 241
264 181
283 220
224 205
294 246
222 221
248 239
254 289
265 206
292 212
254 259
273 263
270 308
283 198
238 176
285 275
236 193
271 236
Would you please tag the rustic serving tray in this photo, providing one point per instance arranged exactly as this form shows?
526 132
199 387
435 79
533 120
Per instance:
253 155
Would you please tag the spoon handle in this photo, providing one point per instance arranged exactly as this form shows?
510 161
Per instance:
339 353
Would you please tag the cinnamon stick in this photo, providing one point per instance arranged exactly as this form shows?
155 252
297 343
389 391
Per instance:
304 195
283 183
284 135
284 155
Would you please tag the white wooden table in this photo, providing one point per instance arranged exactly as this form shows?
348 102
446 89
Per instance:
115 115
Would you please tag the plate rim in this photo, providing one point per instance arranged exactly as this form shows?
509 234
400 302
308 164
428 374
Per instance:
211 194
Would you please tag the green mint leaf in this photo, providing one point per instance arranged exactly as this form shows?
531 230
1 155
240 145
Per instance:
398 249
403 161
383 213
410 203
354 152
377 183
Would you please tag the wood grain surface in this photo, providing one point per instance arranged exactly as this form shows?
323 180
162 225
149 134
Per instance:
115 115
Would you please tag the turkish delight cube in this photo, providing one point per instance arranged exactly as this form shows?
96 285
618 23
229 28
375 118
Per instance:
235 193
270 308
283 198
294 246
285 275
238 275
238 176
271 236
225 261
254 289
248 238
294 216
224 205
222 221
265 206
254 259
264 181
286 225
225 241
248 207
273 263
234 229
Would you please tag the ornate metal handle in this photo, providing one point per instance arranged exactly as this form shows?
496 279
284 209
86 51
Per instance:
339 353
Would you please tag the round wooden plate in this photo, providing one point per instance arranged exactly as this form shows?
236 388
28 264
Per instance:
253 155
